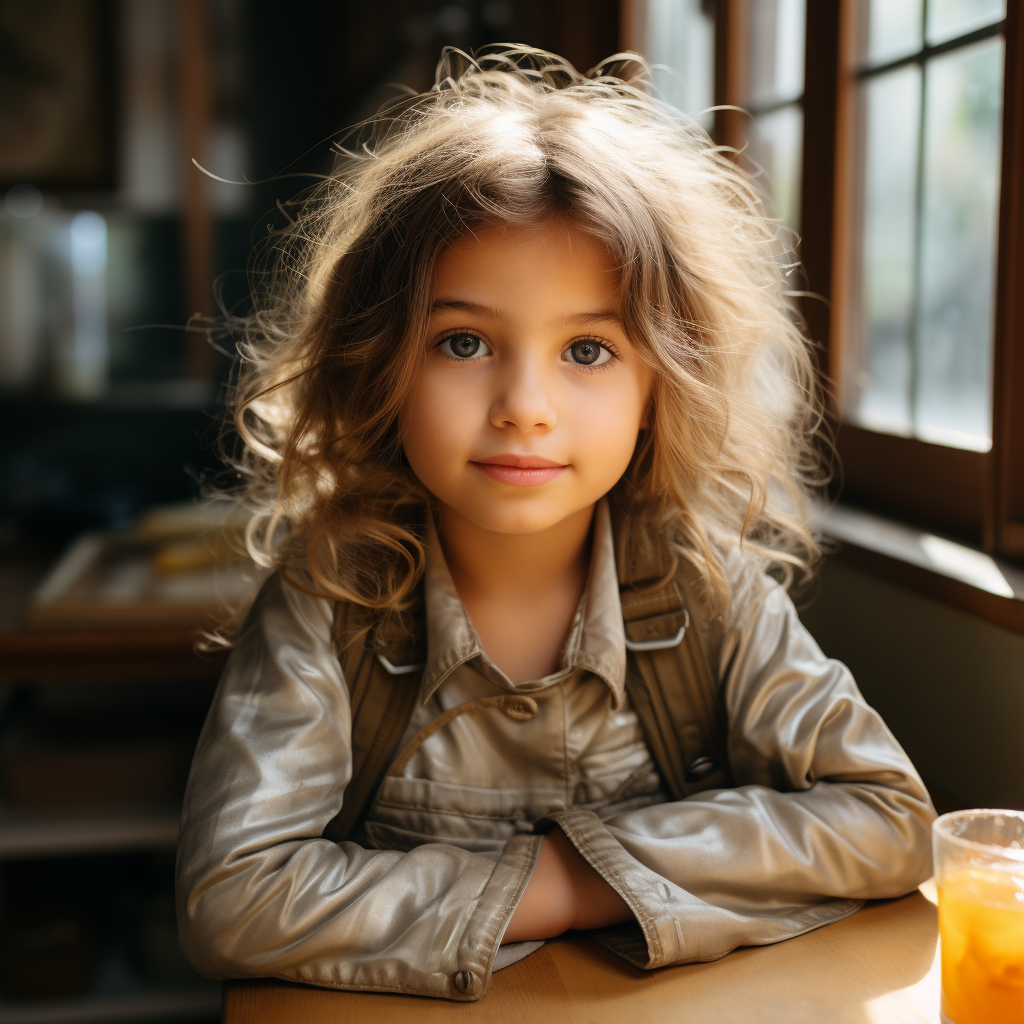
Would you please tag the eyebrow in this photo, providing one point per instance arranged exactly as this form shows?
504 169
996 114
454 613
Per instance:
596 316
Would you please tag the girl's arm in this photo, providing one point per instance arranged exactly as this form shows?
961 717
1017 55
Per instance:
827 809
260 892
565 892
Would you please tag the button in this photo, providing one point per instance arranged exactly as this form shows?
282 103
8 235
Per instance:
701 768
522 709
463 981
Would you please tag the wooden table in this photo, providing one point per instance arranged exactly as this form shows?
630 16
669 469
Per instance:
878 967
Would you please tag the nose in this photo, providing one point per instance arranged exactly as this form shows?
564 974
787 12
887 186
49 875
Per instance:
524 398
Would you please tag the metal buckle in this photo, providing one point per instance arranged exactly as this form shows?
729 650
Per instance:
401 670
660 645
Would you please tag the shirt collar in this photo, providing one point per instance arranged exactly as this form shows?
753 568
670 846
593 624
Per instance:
596 641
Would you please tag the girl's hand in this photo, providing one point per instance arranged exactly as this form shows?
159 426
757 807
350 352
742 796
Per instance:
564 892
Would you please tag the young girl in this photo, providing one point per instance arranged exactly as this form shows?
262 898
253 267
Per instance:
527 418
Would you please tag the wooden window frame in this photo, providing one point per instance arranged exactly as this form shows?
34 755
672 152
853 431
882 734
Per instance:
731 81
977 496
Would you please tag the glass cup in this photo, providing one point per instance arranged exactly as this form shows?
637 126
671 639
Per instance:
979 868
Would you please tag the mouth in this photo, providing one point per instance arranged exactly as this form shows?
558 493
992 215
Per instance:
519 470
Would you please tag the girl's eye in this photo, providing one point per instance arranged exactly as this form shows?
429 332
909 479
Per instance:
464 346
587 352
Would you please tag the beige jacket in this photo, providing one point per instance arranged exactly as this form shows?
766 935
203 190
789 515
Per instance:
827 809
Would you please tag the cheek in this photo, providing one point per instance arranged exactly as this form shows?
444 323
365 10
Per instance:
436 423
610 423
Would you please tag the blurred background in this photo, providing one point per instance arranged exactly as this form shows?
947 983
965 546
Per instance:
110 238
884 134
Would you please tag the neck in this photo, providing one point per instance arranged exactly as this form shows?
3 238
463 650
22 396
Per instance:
483 563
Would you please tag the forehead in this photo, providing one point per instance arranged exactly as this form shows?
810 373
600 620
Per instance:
554 260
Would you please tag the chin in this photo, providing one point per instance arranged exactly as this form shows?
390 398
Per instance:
517 521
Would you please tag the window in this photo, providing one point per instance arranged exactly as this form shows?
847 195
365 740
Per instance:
678 38
773 94
925 202
892 137
766 79
925 345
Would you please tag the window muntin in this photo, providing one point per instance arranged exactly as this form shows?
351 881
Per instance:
947 19
922 288
773 93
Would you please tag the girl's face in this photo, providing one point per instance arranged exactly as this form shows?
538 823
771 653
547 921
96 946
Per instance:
531 397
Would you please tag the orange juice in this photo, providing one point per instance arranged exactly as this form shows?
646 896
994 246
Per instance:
981 926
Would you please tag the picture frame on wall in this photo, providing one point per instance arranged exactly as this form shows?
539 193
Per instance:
58 95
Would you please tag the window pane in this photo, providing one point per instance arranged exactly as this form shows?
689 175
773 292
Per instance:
775 51
776 144
950 18
681 37
889 29
877 382
963 107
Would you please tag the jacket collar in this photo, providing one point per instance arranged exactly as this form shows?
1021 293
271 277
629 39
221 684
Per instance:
596 641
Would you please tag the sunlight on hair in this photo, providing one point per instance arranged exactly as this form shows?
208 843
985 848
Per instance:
517 135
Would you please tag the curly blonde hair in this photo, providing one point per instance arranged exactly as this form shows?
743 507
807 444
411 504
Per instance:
517 135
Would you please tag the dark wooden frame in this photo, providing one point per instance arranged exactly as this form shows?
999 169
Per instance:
1004 529
730 71
195 100
731 79
101 41
972 494
818 170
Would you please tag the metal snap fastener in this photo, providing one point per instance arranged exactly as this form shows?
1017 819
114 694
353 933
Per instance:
701 768
522 709
463 980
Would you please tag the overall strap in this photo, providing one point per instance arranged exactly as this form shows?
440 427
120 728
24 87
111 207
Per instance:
669 679
383 677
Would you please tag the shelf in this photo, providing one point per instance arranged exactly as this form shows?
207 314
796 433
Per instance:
200 1004
34 656
42 834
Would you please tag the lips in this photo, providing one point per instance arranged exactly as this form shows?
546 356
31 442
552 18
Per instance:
519 470
521 461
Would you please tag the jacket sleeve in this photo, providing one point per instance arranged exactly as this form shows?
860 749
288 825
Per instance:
828 811
261 893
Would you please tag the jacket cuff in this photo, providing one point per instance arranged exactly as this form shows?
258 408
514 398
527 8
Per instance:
672 925
482 937
653 940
